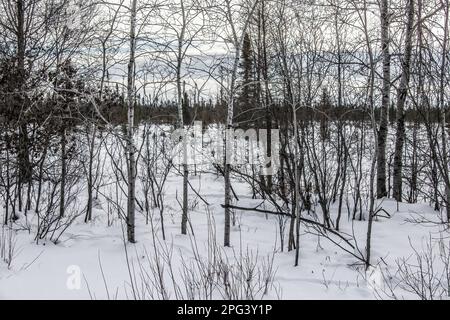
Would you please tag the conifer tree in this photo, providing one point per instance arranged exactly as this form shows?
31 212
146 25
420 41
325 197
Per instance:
247 95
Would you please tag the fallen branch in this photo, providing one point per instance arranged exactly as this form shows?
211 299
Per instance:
307 221
290 215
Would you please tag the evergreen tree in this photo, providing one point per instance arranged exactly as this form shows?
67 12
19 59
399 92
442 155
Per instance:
247 94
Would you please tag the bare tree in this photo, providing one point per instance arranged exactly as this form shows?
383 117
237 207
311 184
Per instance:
445 159
402 94
386 91
237 40
131 149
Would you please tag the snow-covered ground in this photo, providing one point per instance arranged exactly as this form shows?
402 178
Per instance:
90 260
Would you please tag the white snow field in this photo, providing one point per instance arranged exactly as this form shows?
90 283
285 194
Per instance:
90 261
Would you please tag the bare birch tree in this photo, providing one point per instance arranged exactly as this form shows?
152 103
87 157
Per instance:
402 94
131 149
237 40
386 91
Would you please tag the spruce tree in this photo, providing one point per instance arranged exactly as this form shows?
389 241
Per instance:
247 94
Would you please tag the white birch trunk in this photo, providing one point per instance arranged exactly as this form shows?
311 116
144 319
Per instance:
401 101
238 42
130 132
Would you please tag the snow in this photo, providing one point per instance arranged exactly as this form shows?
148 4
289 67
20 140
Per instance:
45 270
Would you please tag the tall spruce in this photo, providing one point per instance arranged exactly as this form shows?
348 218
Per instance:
247 97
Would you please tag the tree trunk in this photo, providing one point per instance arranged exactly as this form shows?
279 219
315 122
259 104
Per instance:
445 159
238 43
371 89
181 122
63 174
23 140
130 138
383 130
90 177
401 101
297 211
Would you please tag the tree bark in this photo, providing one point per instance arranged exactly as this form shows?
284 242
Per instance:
445 159
402 94
62 199
383 130
238 42
181 121
131 205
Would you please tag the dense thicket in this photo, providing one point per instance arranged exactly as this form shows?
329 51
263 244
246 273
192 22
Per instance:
359 90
